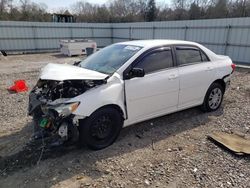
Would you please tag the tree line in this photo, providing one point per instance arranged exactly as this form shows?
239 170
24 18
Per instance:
128 10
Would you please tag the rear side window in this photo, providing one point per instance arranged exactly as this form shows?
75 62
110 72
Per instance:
155 61
189 55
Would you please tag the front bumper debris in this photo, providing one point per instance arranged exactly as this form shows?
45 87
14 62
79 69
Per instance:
50 109
49 123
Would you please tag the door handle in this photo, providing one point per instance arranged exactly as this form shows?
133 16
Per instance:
172 76
209 69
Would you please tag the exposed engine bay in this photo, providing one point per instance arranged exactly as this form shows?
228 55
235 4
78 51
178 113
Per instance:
50 90
52 113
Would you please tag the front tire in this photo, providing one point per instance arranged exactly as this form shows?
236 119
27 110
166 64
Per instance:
213 98
100 129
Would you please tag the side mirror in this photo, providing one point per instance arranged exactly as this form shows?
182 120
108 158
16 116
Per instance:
136 72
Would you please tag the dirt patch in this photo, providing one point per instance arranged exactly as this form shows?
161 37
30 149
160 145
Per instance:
171 151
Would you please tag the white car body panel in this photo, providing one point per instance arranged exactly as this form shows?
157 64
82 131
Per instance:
62 72
111 93
223 68
194 81
156 93
153 95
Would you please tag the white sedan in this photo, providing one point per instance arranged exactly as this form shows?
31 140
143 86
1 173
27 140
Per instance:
126 83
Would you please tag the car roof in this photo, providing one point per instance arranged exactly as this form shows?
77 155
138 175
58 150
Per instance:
154 43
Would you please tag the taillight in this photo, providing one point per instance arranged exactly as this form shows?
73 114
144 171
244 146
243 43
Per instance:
233 67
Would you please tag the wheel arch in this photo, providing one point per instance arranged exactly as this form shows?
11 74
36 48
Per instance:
85 133
218 81
221 82
114 106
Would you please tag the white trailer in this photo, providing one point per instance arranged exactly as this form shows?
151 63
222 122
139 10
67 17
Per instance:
76 47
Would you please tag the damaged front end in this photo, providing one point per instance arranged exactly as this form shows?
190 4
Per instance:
51 110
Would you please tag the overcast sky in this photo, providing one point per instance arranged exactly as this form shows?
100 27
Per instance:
53 5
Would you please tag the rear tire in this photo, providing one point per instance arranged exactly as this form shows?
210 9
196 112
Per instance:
213 98
101 129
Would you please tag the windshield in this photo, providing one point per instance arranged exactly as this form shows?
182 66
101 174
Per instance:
109 59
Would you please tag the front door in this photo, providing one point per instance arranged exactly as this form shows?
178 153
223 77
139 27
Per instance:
156 93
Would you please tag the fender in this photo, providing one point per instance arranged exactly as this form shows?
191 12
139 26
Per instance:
111 93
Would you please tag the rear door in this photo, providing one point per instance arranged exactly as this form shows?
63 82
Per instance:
196 73
157 92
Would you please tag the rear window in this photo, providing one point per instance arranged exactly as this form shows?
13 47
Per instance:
189 55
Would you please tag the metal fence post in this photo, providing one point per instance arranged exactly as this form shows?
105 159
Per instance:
112 34
34 32
153 32
92 32
227 38
71 32
130 33
185 32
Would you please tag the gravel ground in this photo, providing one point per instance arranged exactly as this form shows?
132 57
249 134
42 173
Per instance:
171 151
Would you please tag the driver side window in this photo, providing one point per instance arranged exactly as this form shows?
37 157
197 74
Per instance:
156 61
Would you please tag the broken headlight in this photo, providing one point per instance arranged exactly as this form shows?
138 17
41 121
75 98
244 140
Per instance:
66 109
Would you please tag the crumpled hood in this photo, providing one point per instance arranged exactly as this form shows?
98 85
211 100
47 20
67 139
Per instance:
60 72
